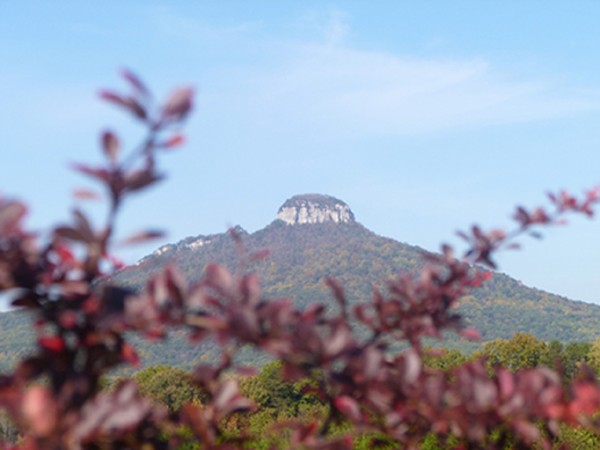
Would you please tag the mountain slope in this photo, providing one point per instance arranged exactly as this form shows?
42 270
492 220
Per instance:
317 236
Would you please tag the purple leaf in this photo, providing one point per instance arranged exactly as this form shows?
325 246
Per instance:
110 145
135 82
11 214
143 236
348 407
179 104
128 103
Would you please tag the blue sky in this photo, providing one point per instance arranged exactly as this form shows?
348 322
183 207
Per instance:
425 117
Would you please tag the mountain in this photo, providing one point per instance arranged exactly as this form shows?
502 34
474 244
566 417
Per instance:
312 237
315 236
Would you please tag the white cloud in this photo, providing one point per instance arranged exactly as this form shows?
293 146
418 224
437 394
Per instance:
368 92
334 89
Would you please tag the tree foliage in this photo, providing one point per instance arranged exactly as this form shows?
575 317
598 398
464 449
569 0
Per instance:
523 351
168 386
83 323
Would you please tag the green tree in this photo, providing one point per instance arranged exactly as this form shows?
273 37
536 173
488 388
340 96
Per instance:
167 385
8 431
574 354
593 356
281 394
522 351
554 354
444 359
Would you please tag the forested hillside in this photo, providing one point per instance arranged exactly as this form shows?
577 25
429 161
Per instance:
301 256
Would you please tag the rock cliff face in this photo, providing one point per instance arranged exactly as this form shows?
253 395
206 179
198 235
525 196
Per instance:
314 208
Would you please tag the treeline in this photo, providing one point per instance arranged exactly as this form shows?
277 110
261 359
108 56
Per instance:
525 351
279 401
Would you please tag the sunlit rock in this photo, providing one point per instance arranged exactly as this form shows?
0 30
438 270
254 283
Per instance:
314 208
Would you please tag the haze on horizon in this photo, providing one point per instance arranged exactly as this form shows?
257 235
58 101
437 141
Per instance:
423 117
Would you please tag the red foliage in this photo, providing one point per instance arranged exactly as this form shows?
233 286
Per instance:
81 321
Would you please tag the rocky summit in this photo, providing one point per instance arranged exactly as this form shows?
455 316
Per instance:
314 208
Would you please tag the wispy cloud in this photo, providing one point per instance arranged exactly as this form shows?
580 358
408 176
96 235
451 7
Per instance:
190 28
332 88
